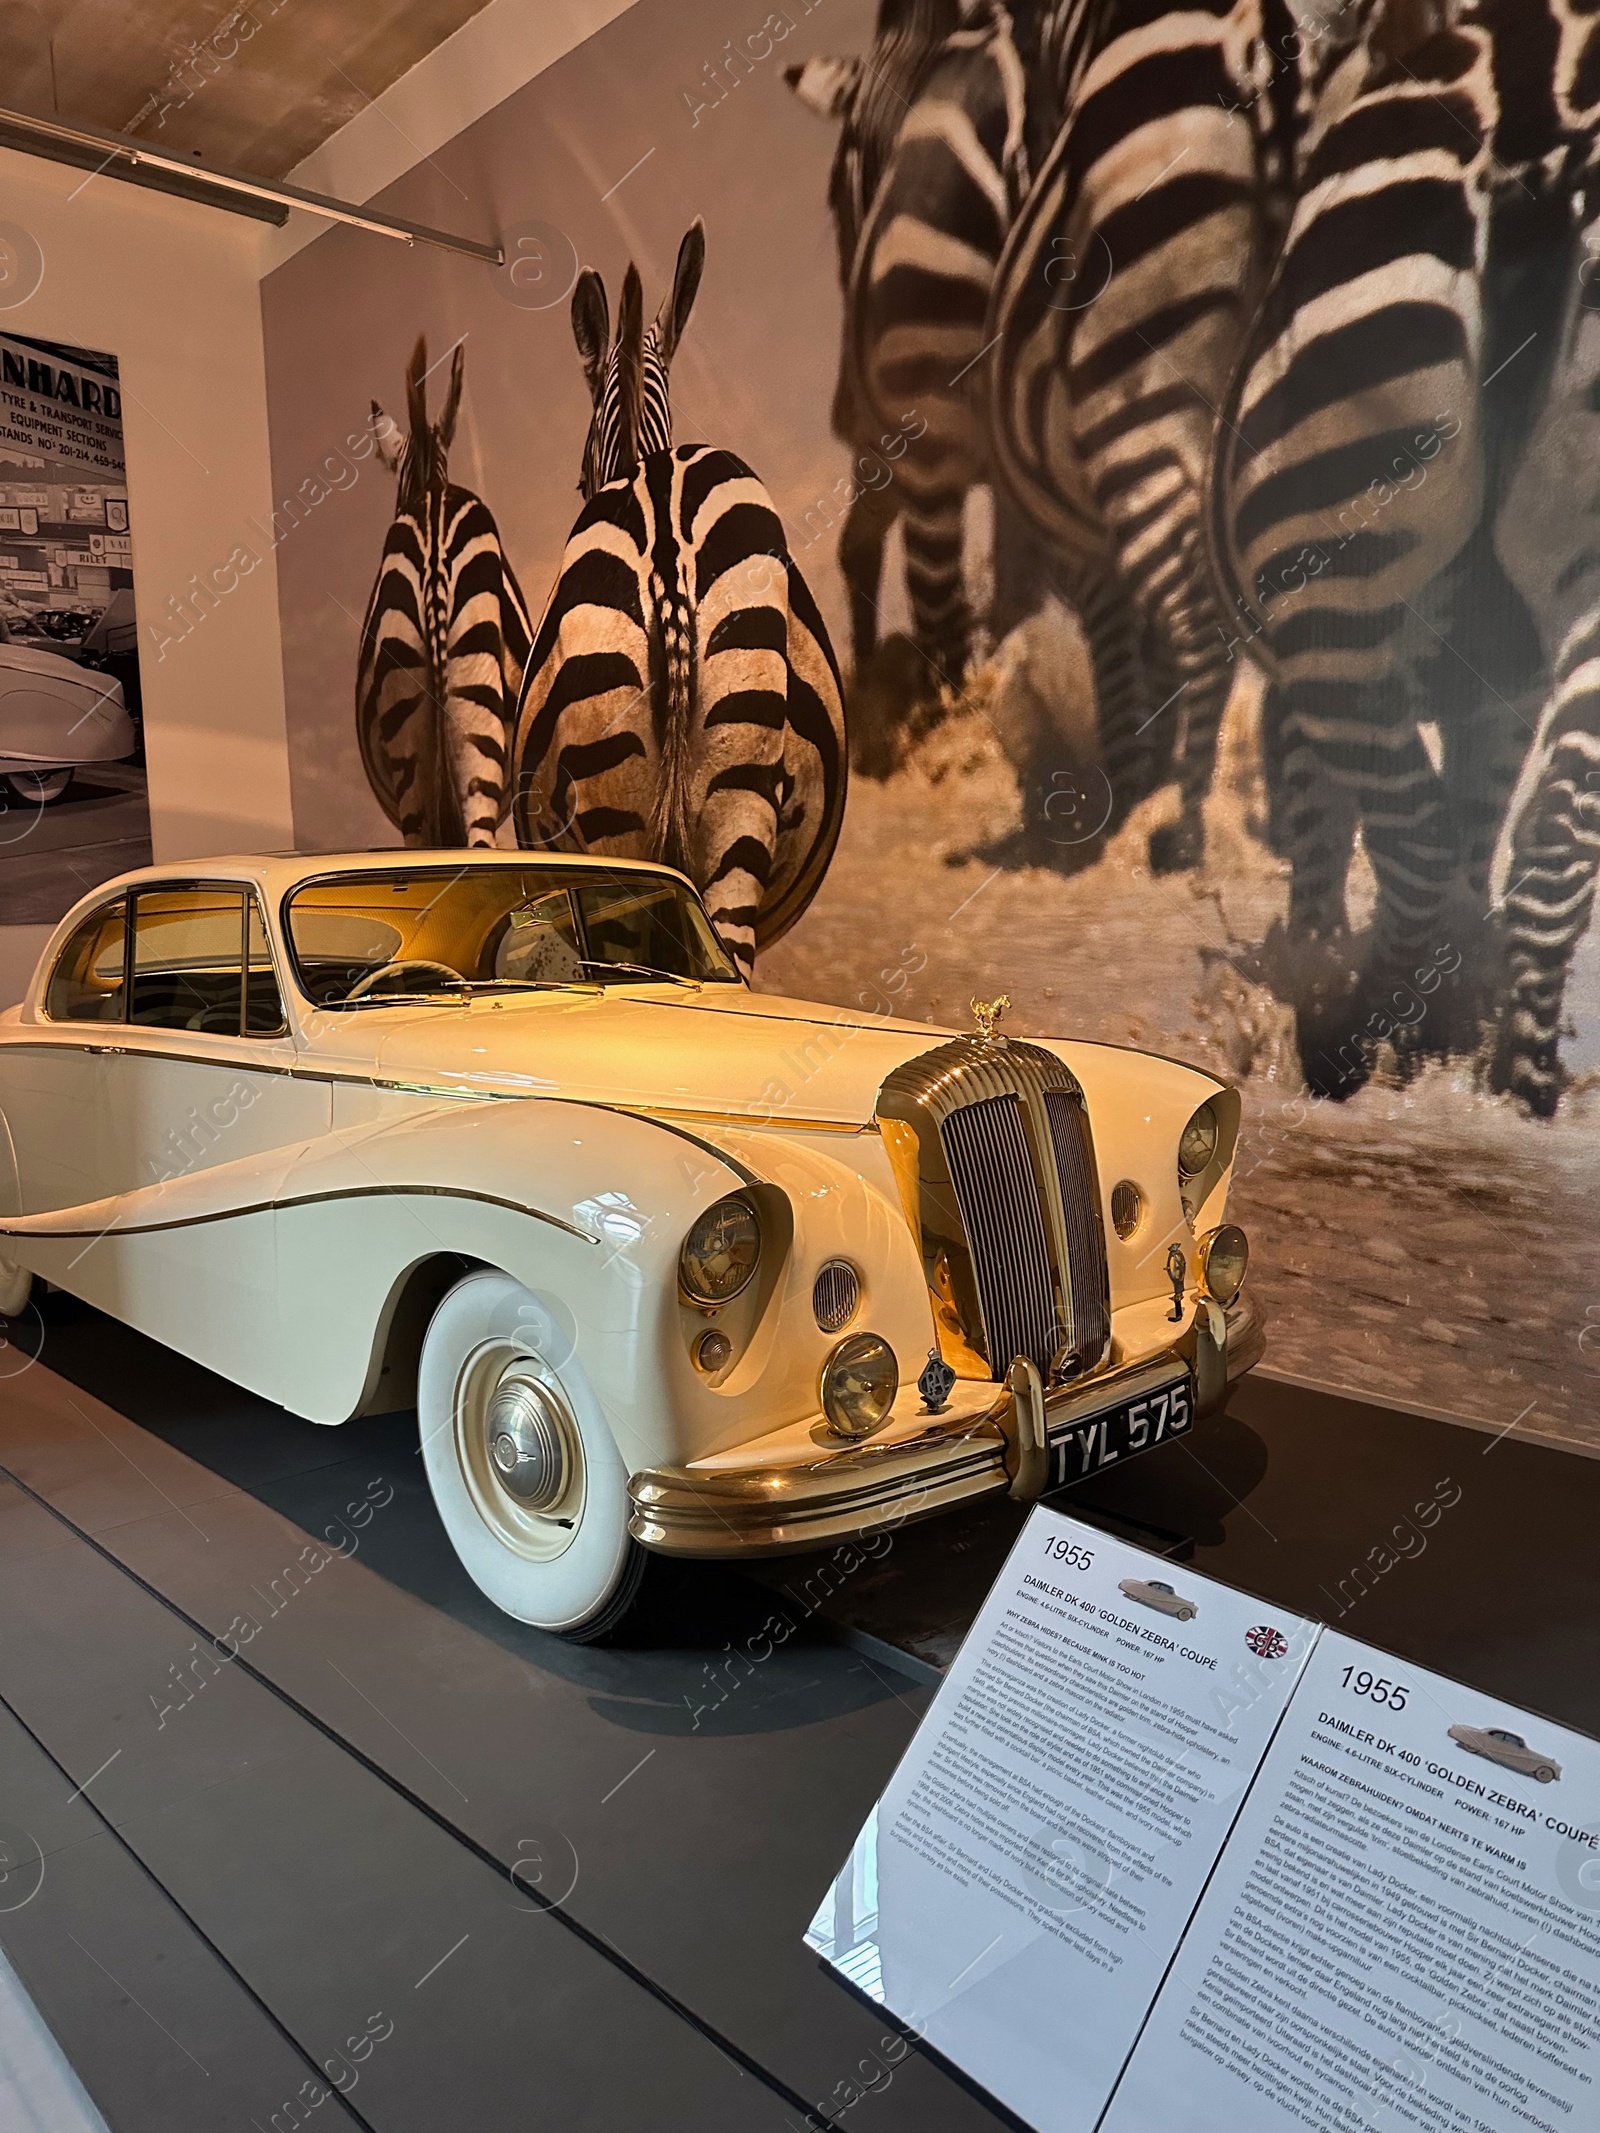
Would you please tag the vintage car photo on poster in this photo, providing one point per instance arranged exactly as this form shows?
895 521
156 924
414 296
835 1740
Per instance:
666 1264
1501 1746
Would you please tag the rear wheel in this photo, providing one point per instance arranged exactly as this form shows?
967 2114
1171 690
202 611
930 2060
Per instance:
16 1286
522 1464
38 788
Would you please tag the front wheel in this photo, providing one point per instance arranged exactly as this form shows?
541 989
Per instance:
523 1467
38 788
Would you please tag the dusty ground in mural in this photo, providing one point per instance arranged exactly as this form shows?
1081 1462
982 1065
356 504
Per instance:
1420 1243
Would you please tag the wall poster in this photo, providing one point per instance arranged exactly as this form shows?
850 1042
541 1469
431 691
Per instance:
73 809
1084 772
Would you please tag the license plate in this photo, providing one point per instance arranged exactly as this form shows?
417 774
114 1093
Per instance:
1103 1440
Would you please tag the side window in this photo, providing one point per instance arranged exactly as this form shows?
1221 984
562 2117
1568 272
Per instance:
86 984
201 962
187 959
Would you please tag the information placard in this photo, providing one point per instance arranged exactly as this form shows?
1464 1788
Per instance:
1403 1930
1162 1855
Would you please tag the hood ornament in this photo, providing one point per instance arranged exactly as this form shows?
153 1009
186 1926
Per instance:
986 1013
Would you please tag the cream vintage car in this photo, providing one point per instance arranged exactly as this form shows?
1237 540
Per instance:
664 1263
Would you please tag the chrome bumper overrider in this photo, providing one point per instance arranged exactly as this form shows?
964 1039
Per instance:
763 1509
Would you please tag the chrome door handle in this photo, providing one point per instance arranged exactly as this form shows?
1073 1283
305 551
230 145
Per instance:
103 1050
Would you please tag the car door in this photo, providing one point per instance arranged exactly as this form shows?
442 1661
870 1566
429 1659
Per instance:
208 1070
206 1076
53 1073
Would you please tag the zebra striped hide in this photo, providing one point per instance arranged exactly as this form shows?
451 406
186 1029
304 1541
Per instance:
443 649
1121 302
682 700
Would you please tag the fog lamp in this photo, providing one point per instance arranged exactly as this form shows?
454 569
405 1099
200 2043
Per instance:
1199 1142
1223 1255
859 1382
720 1253
1127 1208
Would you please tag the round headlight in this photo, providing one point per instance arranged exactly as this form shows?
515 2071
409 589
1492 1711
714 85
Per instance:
1199 1142
859 1382
720 1253
1224 1255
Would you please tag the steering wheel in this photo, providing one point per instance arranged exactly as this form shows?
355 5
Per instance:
363 986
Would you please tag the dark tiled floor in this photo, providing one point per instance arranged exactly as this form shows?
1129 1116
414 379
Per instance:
390 1746
1468 1553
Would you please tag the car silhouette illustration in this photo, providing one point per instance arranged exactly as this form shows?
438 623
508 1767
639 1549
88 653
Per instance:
1151 1592
1508 1748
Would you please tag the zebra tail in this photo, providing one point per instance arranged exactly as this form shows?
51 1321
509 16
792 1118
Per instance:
673 693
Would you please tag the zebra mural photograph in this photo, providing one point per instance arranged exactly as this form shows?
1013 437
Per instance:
1102 508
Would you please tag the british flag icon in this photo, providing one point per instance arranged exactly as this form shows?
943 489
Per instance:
1266 1642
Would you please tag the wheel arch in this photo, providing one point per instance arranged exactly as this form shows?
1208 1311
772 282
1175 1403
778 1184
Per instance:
402 1326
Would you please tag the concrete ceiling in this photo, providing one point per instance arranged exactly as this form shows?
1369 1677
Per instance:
255 87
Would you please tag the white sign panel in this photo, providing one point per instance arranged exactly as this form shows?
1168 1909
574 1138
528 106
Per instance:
1037 1854
1404 1930
1162 1856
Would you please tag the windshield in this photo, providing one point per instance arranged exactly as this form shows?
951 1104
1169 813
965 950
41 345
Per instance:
404 932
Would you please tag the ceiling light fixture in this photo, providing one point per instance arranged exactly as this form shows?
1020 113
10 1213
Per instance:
120 156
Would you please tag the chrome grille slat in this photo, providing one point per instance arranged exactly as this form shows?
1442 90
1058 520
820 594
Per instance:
835 1295
986 1146
1088 1286
994 1158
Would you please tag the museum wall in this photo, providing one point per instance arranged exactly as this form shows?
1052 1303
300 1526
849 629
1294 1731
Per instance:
1416 1236
171 292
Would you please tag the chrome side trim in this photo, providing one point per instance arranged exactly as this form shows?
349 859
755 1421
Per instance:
47 1225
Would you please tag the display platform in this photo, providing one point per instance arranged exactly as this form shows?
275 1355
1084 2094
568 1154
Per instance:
442 1867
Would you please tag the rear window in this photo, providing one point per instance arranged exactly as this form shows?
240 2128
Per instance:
86 983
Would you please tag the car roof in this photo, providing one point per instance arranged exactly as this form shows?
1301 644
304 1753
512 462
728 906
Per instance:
277 871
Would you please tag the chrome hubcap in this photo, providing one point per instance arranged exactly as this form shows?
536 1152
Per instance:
520 1450
527 1442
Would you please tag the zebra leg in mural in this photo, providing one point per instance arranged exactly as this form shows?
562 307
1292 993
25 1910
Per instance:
1121 303
869 97
1551 864
1350 478
918 302
1548 859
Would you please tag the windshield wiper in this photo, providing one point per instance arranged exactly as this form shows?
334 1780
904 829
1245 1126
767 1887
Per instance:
643 970
527 984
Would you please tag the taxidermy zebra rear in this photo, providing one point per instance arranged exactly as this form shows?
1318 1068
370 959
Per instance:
682 701
444 643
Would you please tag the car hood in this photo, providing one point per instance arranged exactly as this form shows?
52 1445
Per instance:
22 659
720 1049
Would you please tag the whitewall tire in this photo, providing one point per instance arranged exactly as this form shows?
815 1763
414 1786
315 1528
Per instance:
523 1467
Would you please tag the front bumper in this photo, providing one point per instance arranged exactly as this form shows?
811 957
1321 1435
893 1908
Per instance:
991 1444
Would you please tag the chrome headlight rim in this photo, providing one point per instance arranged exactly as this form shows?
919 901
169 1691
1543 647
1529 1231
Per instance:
1196 1156
1216 1251
694 1283
859 1382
